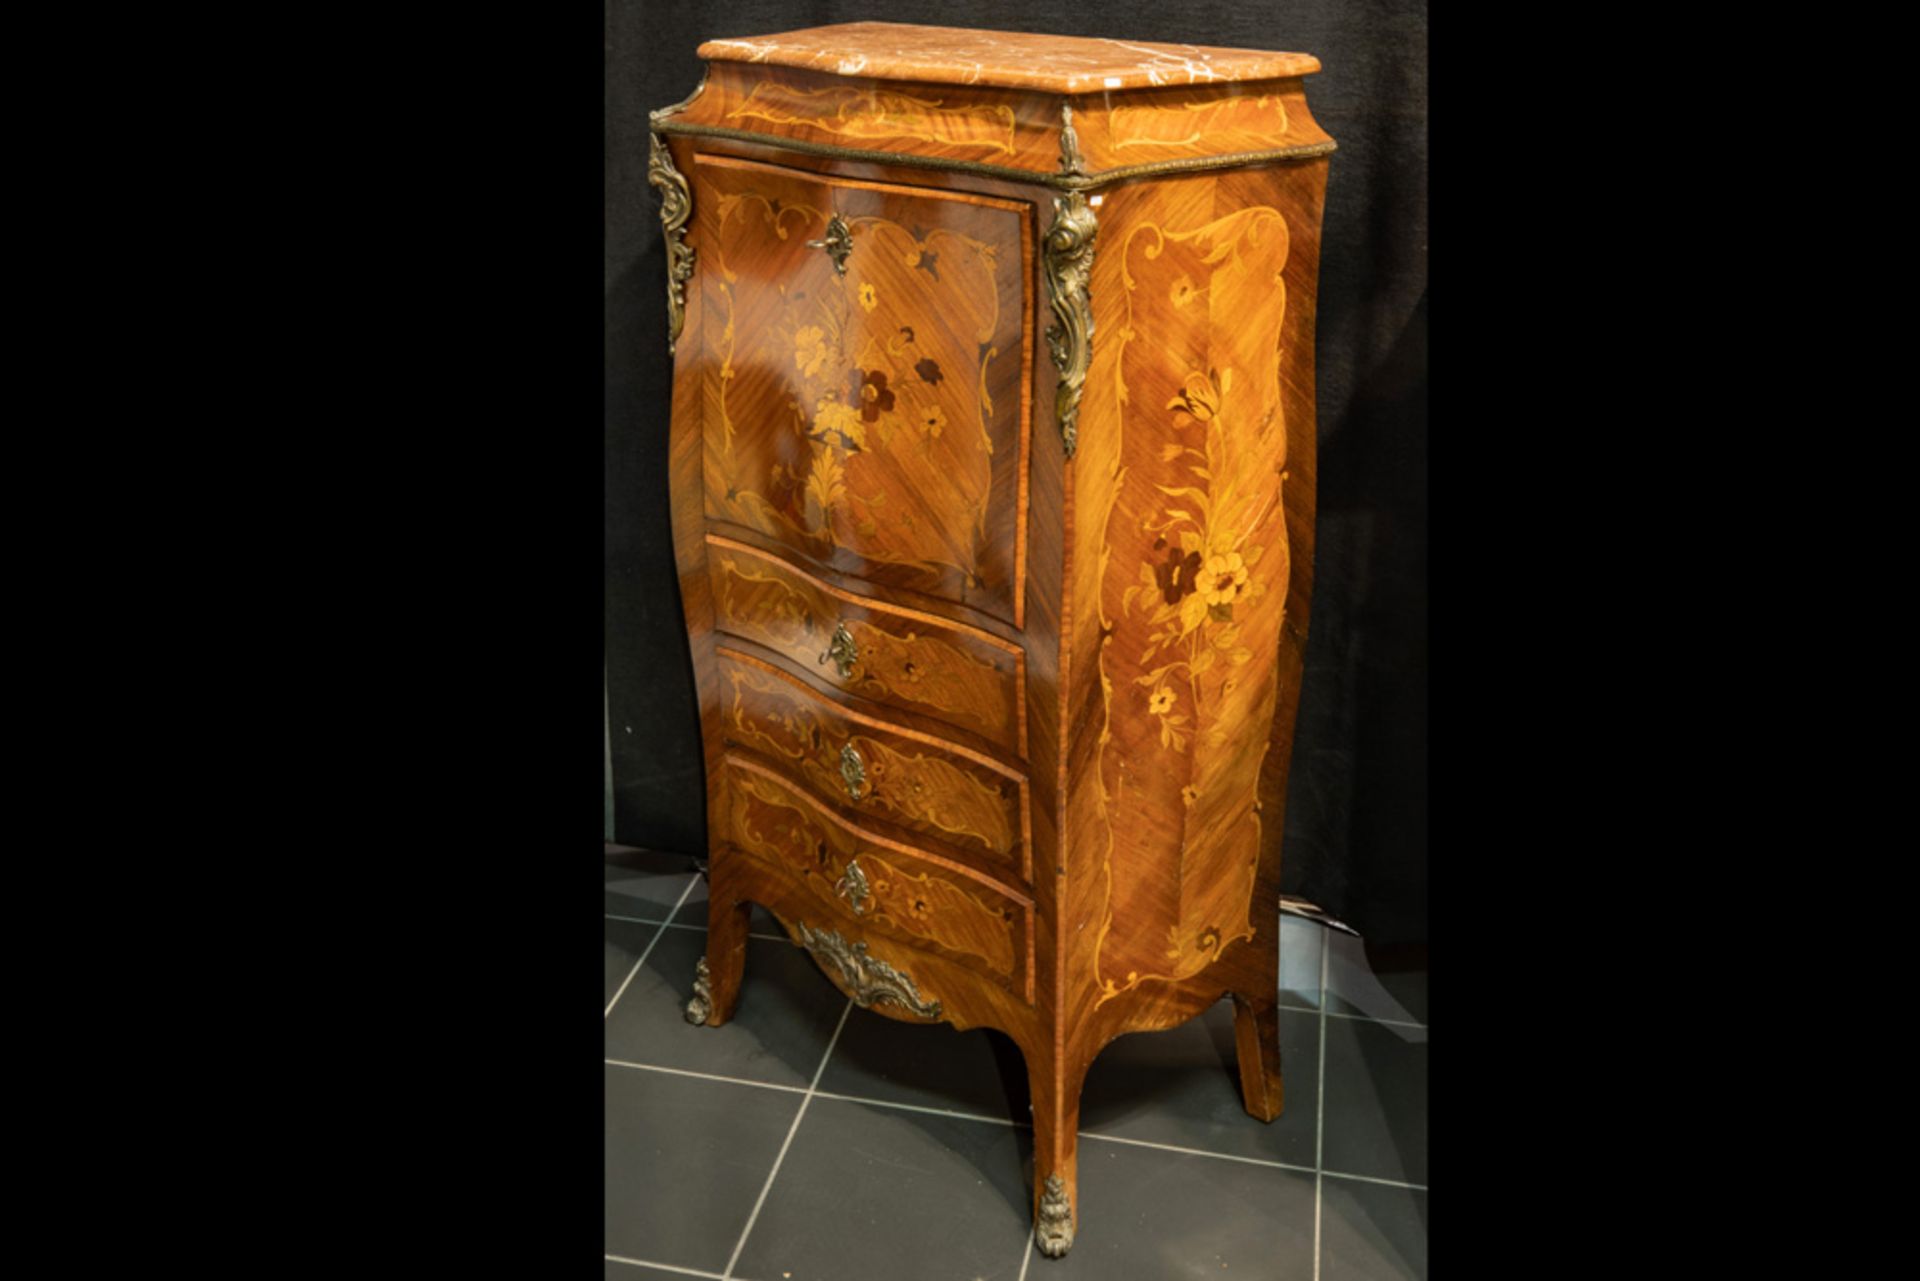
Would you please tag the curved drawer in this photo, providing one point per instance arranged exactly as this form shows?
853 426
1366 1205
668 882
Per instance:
899 657
935 789
872 884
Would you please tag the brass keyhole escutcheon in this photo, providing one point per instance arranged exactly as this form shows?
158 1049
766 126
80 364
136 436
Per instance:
842 651
838 243
852 886
853 772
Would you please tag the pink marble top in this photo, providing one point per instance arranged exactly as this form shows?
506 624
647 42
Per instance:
1011 59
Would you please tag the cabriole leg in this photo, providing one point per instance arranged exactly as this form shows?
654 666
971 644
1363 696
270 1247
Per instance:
1056 1126
716 984
1256 1035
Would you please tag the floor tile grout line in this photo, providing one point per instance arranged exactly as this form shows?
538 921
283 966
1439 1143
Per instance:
1218 1156
798 1116
1026 1259
1244 1160
666 1267
1320 1109
916 1107
691 882
1357 1018
689 925
837 1097
1369 1178
707 1076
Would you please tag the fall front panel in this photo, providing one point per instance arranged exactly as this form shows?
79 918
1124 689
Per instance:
863 372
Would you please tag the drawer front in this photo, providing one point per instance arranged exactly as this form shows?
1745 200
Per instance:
897 657
860 764
862 367
866 883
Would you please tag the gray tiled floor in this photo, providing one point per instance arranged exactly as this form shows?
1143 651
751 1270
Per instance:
811 1141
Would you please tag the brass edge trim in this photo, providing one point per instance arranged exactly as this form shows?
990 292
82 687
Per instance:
1058 181
676 206
668 112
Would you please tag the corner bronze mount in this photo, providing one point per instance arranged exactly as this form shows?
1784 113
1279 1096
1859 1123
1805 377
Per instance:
1053 1225
1069 263
676 205
868 980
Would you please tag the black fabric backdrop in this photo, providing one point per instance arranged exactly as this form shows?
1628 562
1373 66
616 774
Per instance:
1357 813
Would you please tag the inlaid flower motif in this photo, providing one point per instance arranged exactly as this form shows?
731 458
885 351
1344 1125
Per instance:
1193 612
869 298
928 369
932 420
836 417
1161 701
810 352
869 391
1199 398
1222 578
919 908
1177 575
1188 795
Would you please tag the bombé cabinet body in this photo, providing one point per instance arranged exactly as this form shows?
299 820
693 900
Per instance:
992 485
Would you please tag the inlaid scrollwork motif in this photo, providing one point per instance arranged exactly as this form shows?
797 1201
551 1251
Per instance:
1069 259
869 980
1053 1226
676 206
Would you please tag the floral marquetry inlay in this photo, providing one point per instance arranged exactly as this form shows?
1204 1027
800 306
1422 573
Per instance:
955 914
966 678
869 414
1197 577
954 798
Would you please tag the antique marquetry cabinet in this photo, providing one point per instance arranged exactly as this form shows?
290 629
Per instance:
992 456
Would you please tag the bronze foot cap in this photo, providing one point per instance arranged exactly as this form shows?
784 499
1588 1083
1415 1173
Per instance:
701 1006
1053 1229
